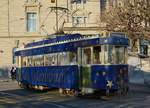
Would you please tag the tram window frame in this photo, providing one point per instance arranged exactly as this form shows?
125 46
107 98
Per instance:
105 51
23 61
17 64
38 60
48 60
97 56
73 58
90 58
111 56
29 61
53 57
65 58
59 57
124 55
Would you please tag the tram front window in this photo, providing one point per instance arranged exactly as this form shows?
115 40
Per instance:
116 54
120 54
111 55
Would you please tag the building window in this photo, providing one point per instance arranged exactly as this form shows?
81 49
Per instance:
31 22
79 20
85 19
78 1
84 1
73 20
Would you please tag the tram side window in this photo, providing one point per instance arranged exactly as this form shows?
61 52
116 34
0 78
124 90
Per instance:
24 61
17 61
50 59
86 56
64 58
59 58
111 56
54 60
105 54
73 58
97 55
38 60
120 54
29 61
67 58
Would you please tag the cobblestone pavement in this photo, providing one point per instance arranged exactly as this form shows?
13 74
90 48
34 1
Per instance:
11 96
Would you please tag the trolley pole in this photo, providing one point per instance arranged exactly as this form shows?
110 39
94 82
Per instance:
67 13
56 17
8 21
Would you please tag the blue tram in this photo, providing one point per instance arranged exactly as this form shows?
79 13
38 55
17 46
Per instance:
77 64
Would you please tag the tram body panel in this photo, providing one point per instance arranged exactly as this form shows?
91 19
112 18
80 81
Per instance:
109 76
51 76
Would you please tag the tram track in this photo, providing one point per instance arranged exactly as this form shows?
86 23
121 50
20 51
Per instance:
15 99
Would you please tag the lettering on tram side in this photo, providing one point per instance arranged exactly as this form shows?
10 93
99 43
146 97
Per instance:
48 75
51 77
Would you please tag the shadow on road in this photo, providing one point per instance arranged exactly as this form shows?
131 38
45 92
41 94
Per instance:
139 96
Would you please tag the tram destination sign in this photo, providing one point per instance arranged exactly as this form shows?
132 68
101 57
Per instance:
117 34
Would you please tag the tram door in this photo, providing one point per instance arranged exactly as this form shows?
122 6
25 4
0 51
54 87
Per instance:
85 67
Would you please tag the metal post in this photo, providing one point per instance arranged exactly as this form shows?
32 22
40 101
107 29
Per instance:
8 21
56 17
67 12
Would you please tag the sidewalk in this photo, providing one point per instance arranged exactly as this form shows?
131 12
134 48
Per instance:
140 88
5 79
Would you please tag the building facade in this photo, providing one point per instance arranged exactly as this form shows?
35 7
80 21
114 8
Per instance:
23 21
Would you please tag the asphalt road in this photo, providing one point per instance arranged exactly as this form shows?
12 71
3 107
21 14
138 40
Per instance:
11 96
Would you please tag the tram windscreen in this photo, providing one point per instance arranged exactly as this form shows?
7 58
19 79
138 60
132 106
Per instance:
109 54
116 54
120 54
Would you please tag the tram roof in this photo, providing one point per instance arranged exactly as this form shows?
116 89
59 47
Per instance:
68 43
